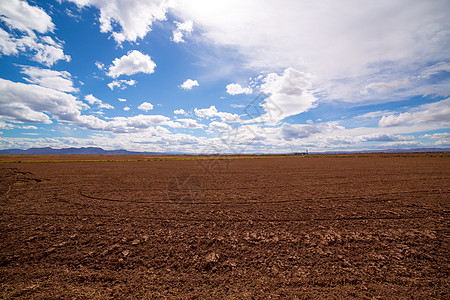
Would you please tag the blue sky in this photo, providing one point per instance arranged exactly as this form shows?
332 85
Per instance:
225 76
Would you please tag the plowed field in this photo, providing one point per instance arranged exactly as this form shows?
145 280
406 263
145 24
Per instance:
344 226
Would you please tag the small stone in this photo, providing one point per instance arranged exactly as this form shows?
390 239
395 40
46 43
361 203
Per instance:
126 253
212 257
62 244
145 238
135 242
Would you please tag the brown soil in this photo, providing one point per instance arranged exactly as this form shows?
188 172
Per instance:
368 226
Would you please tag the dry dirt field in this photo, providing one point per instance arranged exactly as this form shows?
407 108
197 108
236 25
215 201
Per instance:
321 226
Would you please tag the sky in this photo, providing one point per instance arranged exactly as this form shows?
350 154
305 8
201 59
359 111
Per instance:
225 76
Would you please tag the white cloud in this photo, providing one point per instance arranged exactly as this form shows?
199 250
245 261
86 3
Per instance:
384 137
121 84
189 84
24 17
219 126
94 101
135 17
437 136
212 112
131 63
35 104
206 112
32 103
237 105
7 126
8 45
126 108
190 123
182 29
289 95
179 111
440 138
236 89
49 54
99 65
145 106
358 44
57 80
20 16
300 131
385 87
438 112
122 100
440 67
29 127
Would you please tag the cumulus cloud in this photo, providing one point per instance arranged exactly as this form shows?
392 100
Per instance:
182 29
212 112
145 106
24 17
236 89
7 126
121 84
189 84
32 103
122 100
190 123
301 131
298 131
57 80
428 113
357 45
126 108
49 54
289 95
179 111
135 17
131 63
94 101
219 126
24 21
39 51
437 136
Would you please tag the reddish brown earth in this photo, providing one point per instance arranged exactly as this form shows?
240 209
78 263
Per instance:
367 226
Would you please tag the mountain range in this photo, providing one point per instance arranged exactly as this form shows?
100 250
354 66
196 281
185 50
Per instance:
100 151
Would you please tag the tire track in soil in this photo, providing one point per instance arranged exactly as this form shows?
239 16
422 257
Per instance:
362 218
256 201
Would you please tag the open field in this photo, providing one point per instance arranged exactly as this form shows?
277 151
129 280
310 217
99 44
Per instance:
337 226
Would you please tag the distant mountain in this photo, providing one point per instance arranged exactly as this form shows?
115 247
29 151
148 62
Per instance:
412 150
73 151
100 151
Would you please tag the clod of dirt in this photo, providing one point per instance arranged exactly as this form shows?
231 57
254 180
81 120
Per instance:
126 253
135 242
62 244
212 257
